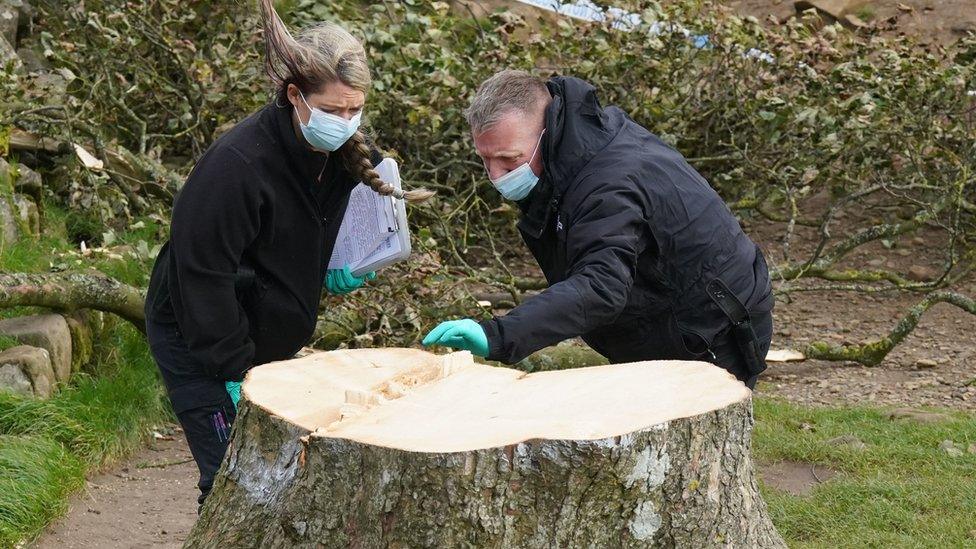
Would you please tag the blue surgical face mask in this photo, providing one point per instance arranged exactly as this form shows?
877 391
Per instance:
326 131
518 183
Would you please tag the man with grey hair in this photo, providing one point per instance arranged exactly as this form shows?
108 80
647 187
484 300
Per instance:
644 260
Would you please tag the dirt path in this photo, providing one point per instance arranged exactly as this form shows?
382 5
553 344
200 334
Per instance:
150 501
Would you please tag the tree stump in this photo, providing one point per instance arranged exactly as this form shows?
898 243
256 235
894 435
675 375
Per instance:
404 448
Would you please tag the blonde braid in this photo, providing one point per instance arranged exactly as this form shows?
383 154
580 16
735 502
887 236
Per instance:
356 155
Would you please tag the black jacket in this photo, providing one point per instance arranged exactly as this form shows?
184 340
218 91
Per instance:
252 232
624 231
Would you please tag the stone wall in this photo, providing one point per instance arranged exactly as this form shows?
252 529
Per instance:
52 348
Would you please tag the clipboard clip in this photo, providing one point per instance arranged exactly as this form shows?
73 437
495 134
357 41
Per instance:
396 223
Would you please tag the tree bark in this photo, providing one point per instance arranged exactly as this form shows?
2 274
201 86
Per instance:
296 477
69 291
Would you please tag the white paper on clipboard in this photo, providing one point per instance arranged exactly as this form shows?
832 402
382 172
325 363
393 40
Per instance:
374 232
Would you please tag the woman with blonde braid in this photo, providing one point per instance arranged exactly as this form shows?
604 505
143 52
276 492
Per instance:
238 284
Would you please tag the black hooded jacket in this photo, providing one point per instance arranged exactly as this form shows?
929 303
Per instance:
625 230
252 232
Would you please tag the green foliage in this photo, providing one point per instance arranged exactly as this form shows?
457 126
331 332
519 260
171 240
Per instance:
83 226
901 490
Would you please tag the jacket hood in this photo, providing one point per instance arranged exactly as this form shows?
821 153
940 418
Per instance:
577 129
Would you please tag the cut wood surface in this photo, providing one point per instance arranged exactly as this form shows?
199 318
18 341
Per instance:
413 400
400 447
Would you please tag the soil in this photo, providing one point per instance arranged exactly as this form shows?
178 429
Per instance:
797 478
150 501
930 21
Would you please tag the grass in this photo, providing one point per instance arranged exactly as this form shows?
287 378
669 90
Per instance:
36 476
7 342
902 490
47 446
55 249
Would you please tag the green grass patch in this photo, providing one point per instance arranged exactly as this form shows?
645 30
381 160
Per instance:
133 250
46 446
7 342
902 490
36 476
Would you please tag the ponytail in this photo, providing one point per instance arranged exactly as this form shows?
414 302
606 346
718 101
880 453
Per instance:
356 155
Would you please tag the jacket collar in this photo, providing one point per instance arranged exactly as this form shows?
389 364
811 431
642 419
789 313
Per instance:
309 162
577 128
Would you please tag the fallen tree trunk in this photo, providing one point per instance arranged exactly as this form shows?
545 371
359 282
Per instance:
403 448
69 291
874 352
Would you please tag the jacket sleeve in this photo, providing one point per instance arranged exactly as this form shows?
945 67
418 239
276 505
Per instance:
216 216
605 236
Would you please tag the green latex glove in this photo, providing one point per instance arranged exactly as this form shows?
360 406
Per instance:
460 334
342 281
234 390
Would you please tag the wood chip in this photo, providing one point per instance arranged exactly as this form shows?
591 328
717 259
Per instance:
784 355
88 159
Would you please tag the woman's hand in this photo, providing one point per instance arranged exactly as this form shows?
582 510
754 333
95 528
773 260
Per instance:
234 390
342 281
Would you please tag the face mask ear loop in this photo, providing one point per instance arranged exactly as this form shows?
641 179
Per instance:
537 144
309 107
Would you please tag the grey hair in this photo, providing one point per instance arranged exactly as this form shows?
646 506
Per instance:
508 90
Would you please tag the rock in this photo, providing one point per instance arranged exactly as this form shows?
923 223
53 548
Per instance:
876 262
854 22
49 331
964 27
14 380
9 18
49 87
18 217
25 180
850 441
8 55
925 363
33 60
32 364
920 416
82 341
28 181
922 273
950 448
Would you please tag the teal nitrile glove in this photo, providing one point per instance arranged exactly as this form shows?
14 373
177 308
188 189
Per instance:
460 334
342 281
234 390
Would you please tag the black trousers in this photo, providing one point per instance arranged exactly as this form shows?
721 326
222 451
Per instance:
660 339
201 403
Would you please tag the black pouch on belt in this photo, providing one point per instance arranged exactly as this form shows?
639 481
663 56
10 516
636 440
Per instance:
742 332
